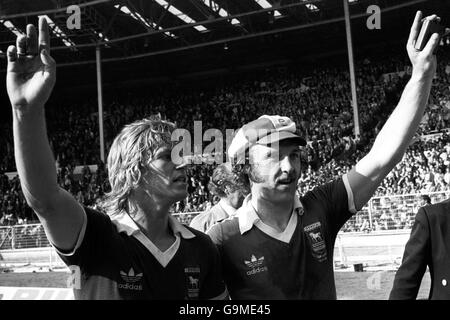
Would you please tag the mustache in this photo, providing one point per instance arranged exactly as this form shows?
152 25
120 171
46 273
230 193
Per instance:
286 178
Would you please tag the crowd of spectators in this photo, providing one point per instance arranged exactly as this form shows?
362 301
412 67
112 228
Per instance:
425 168
318 99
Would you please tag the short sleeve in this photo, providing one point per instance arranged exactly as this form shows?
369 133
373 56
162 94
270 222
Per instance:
79 239
336 199
93 244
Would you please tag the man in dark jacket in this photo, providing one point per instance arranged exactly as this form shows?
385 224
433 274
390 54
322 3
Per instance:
428 245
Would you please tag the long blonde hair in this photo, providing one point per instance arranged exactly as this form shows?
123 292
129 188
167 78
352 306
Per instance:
131 151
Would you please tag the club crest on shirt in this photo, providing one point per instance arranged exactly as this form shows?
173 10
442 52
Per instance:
192 276
316 241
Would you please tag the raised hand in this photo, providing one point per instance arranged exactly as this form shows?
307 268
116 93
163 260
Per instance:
424 62
31 72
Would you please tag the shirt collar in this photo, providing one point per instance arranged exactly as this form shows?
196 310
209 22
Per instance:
178 227
247 215
229 210
124 223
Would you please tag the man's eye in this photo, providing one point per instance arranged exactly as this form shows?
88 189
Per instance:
166 157
268 155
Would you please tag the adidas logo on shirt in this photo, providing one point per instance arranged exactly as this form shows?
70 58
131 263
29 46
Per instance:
255 265
132 281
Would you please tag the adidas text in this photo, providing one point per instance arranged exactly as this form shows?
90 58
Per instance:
130 286
256 270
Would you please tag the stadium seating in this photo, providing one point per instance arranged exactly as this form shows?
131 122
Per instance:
319 101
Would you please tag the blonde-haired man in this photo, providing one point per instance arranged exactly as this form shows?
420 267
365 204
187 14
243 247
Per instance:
138 251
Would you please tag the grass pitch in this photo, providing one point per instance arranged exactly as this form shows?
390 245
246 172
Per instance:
349 285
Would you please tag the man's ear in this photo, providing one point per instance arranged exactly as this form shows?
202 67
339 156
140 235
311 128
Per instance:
227 190
247 168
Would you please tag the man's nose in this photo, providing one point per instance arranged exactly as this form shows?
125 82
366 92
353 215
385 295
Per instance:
286 164
183 164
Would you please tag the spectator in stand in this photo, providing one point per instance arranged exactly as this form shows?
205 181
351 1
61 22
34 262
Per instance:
316 98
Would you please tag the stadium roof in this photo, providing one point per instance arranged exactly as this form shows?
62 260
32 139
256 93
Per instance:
193 35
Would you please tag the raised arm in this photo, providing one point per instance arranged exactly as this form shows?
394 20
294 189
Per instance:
30 79
396 134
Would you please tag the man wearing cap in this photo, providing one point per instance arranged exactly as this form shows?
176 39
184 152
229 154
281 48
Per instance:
226 185
279 245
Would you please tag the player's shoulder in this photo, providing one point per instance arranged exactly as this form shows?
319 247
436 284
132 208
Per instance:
93 211
199 217
109 225
200 238
96 216
225 229
229 224
323 189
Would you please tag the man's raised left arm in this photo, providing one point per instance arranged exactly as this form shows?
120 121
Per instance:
399 129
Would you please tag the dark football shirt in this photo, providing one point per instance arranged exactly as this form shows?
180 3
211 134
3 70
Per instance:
117 261
296 264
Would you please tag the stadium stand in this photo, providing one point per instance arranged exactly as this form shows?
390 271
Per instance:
318 100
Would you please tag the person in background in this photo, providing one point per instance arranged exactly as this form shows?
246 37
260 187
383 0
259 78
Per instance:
231 191
425 200
427 246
